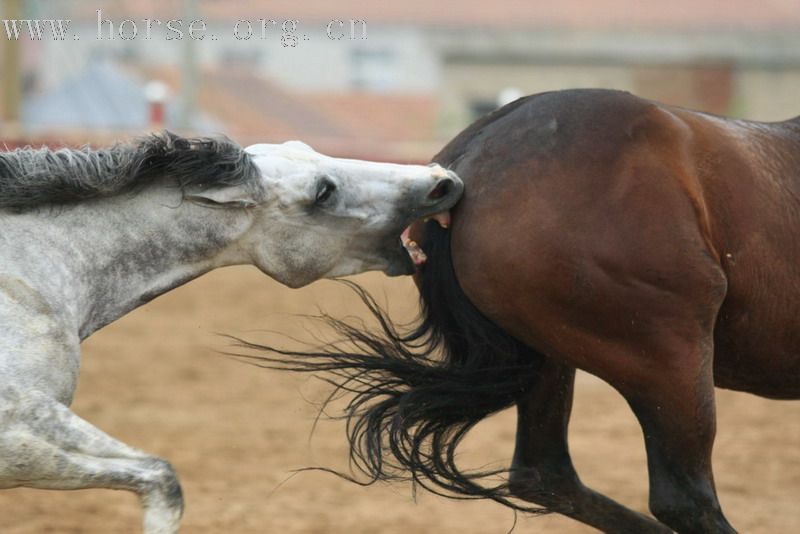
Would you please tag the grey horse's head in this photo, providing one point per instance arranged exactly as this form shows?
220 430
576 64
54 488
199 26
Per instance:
306 216
321 217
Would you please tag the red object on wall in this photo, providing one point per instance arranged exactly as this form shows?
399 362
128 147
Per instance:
156 114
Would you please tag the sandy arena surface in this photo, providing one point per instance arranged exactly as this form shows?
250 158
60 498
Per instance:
234 433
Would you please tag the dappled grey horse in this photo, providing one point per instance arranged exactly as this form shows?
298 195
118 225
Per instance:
88 235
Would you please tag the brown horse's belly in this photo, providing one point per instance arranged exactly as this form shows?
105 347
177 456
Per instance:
756 224
757 345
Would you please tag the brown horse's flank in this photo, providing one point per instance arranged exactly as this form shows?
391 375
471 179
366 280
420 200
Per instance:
655 247
651 233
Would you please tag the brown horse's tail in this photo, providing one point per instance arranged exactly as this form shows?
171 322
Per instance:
418 393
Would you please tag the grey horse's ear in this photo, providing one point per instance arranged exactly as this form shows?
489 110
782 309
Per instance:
236 196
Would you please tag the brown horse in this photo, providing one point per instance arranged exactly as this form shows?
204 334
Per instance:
654 247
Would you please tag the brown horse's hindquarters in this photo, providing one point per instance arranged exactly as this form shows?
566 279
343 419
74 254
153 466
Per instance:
606 266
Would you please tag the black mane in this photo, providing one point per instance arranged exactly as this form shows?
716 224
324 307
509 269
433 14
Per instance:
32 177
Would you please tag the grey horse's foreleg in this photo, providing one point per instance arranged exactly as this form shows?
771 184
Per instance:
542 470
44 445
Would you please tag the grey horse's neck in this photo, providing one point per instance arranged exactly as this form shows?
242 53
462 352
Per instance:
112 255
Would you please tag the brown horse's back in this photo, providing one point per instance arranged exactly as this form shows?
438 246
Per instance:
621 208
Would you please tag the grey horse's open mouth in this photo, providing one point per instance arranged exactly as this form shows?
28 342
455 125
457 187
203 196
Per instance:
415 252
443 197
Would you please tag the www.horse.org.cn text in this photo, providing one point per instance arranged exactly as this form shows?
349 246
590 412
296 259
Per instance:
287 32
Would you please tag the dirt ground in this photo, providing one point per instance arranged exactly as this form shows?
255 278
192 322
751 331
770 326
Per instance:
235 432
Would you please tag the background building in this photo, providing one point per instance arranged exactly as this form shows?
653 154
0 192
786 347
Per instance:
396 80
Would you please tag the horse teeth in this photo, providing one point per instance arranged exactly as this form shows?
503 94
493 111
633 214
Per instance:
443 218
413 249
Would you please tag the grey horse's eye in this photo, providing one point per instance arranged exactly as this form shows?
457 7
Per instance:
325 189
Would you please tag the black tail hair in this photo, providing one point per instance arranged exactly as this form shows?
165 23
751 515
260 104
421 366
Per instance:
418 393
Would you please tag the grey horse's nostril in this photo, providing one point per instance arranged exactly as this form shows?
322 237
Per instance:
442 189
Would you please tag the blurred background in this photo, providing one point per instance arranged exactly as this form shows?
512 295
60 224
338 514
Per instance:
156 380
407 78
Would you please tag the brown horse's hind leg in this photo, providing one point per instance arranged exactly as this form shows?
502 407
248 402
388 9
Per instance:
677 415
542 470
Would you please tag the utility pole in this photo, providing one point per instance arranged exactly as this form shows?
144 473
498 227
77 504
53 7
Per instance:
10 74
189 78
